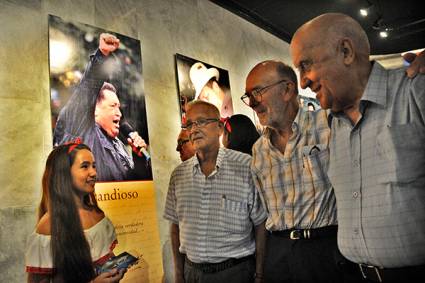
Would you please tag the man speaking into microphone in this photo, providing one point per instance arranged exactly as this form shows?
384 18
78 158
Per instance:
138 144
93 114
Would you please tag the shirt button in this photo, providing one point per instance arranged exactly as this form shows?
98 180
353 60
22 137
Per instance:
355 162
355 194
356 231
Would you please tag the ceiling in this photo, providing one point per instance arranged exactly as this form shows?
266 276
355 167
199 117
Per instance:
404 19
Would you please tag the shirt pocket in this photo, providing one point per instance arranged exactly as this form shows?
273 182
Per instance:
401 154
315 165
234 215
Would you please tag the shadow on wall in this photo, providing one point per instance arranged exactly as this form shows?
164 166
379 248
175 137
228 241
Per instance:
17 223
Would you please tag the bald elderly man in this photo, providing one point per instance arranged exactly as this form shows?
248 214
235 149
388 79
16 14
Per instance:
377 161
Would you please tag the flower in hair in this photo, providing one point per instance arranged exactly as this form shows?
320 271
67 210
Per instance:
73 144
226 123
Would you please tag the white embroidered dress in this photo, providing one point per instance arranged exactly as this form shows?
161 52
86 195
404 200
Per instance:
101 238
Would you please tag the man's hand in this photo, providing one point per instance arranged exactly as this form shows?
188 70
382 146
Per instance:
137 143
108 43
417 63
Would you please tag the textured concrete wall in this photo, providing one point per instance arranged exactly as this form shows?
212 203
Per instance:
196 28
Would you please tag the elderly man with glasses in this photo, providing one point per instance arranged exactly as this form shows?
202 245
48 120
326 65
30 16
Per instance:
217 220
289 165
184 146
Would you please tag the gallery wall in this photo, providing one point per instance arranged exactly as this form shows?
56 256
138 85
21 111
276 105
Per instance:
195 28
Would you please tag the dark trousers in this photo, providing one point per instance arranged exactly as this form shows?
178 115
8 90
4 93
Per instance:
307 260
240 273
411 274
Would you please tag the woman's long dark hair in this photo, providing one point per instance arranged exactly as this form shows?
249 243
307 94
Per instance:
72 261
243 133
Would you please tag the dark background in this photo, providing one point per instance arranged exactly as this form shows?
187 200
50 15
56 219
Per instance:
405 19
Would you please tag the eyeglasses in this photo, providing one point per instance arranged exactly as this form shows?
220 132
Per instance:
199 123
257 94
180 143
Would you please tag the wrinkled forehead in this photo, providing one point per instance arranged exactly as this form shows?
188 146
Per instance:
306 41
261 75
197 111
308 36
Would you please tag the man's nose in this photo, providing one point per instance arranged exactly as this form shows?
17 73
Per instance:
253 102
118 112
305 82
194 127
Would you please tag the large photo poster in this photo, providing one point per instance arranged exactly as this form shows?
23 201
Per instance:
200 80
97 97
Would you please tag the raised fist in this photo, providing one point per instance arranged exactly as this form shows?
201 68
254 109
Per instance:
108 43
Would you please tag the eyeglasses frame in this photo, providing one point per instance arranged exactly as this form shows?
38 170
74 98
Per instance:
199 123
259 92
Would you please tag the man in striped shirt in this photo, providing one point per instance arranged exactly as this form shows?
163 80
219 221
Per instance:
289 165
217 220
377 160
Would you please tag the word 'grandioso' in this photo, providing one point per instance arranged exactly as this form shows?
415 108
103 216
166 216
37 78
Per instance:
116 195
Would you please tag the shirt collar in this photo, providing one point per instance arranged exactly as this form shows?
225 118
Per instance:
220 156
296 125
377 81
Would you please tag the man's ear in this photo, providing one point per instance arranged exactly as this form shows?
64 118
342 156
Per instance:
346 48
290 91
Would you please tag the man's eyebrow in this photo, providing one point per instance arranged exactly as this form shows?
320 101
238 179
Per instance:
303 62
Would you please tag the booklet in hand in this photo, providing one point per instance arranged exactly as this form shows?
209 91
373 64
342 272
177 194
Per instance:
121 261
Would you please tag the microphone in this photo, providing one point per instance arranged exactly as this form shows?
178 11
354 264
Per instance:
127 129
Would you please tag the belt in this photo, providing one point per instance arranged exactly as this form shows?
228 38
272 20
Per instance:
220 266
304 234
403 274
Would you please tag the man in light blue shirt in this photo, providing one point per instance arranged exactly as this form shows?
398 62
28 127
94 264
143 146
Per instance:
377 159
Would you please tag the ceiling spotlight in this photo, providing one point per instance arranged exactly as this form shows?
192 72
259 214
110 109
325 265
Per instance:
364 12
383 34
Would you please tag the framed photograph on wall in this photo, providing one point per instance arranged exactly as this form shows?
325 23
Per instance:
200 80
80 75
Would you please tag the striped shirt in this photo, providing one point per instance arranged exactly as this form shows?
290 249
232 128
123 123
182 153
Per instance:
377 168
215 214
294 186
